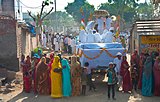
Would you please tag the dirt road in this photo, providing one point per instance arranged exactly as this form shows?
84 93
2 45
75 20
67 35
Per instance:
99 96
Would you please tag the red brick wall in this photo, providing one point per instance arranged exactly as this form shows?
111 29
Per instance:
8 43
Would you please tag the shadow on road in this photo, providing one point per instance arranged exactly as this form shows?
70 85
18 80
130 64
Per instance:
99 96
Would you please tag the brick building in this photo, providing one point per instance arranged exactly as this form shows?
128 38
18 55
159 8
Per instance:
15 38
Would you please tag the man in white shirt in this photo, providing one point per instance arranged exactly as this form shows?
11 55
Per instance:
90 37
108 37
49 41
56 42
82 36
117 61
44 40
66 44
69 45
97 36
108 22
73 44
100 23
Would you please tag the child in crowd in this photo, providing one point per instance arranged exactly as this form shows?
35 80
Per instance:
84 80
112 80
89 77
27 82
134 76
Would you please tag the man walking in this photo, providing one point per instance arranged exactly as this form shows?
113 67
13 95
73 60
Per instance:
117 62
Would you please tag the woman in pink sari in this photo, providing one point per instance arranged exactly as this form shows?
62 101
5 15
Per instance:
50 67
157 77
124 71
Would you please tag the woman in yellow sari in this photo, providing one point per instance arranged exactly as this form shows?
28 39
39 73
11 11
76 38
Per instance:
56 79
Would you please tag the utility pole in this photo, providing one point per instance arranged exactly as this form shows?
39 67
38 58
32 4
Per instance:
55 2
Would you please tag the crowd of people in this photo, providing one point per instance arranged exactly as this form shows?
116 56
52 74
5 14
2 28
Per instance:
59 42
143 74
55 76
147 67
62 77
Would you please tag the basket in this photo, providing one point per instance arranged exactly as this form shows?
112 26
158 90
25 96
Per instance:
99 13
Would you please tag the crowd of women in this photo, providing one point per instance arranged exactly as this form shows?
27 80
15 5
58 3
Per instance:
148 67
51 76
145 73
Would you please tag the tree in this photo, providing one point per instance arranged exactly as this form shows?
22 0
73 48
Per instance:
74 9
145 11
127 14
38 19
63 20
40 16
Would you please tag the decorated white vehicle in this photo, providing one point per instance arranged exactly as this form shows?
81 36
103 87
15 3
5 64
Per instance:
98 55
101 31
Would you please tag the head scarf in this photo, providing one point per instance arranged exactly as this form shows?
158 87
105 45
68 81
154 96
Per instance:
148 66
28 59
56 63
36 56
65 64
73 60
60 57
43 59
51 55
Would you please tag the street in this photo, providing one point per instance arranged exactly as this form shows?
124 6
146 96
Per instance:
99 96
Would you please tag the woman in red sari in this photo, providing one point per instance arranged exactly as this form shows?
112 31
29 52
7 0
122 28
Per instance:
124 71
157 77
28 64
27 75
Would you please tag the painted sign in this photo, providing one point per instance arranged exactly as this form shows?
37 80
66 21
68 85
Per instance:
153 39
150 43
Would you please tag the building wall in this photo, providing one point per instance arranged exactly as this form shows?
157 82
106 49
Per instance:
8 44
28 42
7 7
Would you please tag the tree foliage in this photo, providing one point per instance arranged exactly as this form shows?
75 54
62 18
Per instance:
59 19
74 9
127 13
129 10
145 11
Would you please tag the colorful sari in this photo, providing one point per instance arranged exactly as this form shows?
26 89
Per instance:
27 75
140 71
75 76
28 64
56 79
35 63
42 75
66 78
50 67
124 71
147 79
157 77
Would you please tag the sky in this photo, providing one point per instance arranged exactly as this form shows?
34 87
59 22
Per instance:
61 4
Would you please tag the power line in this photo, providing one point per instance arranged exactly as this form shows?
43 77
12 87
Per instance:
28 6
